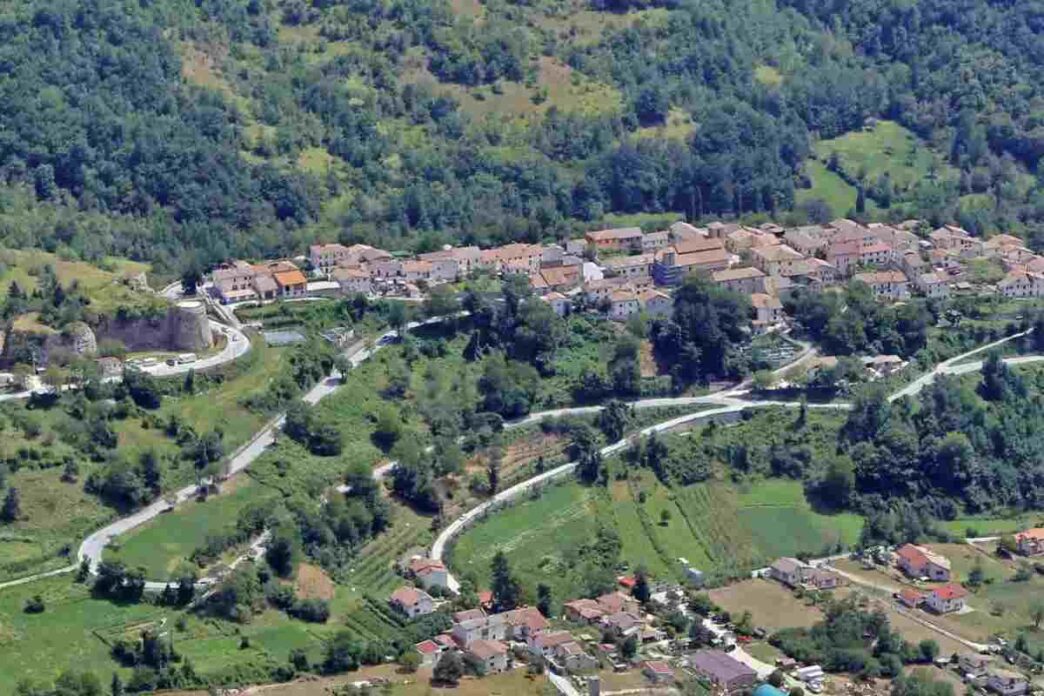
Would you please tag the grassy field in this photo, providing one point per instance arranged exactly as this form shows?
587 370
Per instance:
714 527
889 148
58 514
102 283
828 187
219 406
771 605
163 545
989 526
556 84
542 537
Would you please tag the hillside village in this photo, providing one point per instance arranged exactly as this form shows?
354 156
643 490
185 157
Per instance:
641 626
625 272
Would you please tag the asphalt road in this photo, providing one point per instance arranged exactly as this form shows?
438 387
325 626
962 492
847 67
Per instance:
94 545
727 403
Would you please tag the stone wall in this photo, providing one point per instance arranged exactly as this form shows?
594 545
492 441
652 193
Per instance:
185 327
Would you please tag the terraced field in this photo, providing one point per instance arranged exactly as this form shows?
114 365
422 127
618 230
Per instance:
716 527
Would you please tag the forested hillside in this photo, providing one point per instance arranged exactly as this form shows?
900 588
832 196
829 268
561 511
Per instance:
183 132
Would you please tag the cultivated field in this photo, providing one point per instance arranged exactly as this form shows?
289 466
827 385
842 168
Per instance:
714 527
771 605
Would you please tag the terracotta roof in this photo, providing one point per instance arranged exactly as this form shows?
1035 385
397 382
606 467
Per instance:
694 244
485 649
702 258
427 647
779 252
614 234
530 617
880 277
421 566
762 301
468 614
742 273
407 596
1036 534
950 591
615 601
265 283
285 278
910 595
550 640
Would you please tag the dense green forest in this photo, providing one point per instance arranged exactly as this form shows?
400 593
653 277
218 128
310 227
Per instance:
183 132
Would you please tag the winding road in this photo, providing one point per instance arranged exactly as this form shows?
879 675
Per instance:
724 404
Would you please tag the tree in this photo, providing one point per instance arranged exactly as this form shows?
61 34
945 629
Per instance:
397 317
410 661
630 647
449 669
928 650
641 590
976 575
116 685
507 591
544 599
281 551
493 469
588 457
343 653
191 279
665 517
34 605
12 507
1037 613
613 419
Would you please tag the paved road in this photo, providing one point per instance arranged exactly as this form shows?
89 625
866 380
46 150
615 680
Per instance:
507 495
94 545
949 367
236 346
727 403
889 590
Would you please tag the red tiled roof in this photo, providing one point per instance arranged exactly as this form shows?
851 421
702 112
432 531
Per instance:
428 647
950 591
290 278
1037 534
406 596
910 595
657 667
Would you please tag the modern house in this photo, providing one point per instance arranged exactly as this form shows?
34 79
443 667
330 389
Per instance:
794 573
946 599
973 665
429 652
429 572
412 602
920 562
